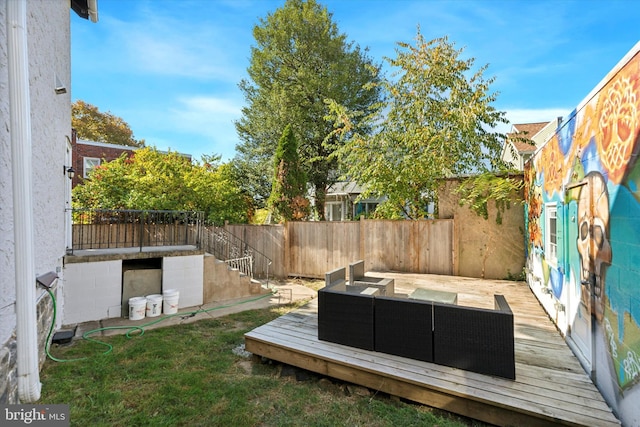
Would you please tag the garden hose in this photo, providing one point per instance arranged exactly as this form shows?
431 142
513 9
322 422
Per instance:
130 329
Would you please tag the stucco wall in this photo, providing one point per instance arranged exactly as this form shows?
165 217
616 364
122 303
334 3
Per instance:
7 276
482 247
48 41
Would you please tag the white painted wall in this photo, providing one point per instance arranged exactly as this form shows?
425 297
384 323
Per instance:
49 53
7 275
184 273
92 291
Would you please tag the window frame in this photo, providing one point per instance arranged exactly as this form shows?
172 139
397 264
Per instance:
551 235
88 164
328 210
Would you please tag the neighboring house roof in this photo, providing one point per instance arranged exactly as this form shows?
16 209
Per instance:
530 129
525 130
344 188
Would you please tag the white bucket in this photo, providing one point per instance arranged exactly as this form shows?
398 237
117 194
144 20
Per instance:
170 303
154 305
137 307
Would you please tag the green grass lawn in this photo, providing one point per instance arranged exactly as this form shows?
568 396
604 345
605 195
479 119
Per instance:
188 375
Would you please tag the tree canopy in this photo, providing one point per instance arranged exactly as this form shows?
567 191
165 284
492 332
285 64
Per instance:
93 125
299 60
288 194
436 122
151 180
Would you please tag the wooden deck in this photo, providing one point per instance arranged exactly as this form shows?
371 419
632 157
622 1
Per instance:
551 388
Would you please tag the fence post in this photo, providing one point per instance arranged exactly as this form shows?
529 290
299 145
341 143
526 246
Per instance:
362 246
286 243
141 229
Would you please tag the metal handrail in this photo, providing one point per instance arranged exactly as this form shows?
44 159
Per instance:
227 247
125 228
244 265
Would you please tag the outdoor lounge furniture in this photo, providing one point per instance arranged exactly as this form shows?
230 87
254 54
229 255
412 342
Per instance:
358 281
474 339
403 327
435 296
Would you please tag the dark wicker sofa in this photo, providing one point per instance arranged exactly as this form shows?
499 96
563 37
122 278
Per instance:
474 339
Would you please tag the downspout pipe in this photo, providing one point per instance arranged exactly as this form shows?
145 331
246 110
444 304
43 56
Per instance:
20 121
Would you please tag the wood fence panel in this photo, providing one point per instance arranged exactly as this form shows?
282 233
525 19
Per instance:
423 246
310 249
439 249
318 247
269 241
105 236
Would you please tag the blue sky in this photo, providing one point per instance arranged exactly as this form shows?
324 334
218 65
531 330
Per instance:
170 68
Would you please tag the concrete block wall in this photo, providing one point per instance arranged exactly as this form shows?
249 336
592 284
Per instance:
92 291
185 274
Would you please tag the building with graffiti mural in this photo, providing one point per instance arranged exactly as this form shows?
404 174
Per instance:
582 191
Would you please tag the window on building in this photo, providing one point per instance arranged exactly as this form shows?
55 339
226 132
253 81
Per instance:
365 208
89 164
551 234
333 211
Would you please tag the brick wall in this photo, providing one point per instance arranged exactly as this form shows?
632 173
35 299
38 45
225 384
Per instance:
102 151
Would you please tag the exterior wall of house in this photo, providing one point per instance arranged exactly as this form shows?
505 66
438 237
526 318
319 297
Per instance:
583 239
510 156
48 40
97 150
546 132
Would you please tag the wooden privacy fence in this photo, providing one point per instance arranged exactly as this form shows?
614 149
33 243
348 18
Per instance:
310 249
268 240
110 229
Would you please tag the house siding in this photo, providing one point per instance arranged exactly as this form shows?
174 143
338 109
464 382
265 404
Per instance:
589 171
48 44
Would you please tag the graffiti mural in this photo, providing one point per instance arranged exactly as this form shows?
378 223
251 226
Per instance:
583 216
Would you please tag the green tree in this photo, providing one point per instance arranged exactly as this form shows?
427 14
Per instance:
150 180
436 122
287 200
299 60
93 125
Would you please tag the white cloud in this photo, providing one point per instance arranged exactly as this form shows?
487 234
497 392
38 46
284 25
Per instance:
516 116
535 115
163 44
205 115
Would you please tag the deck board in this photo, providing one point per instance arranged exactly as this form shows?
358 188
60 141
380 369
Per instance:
551 388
